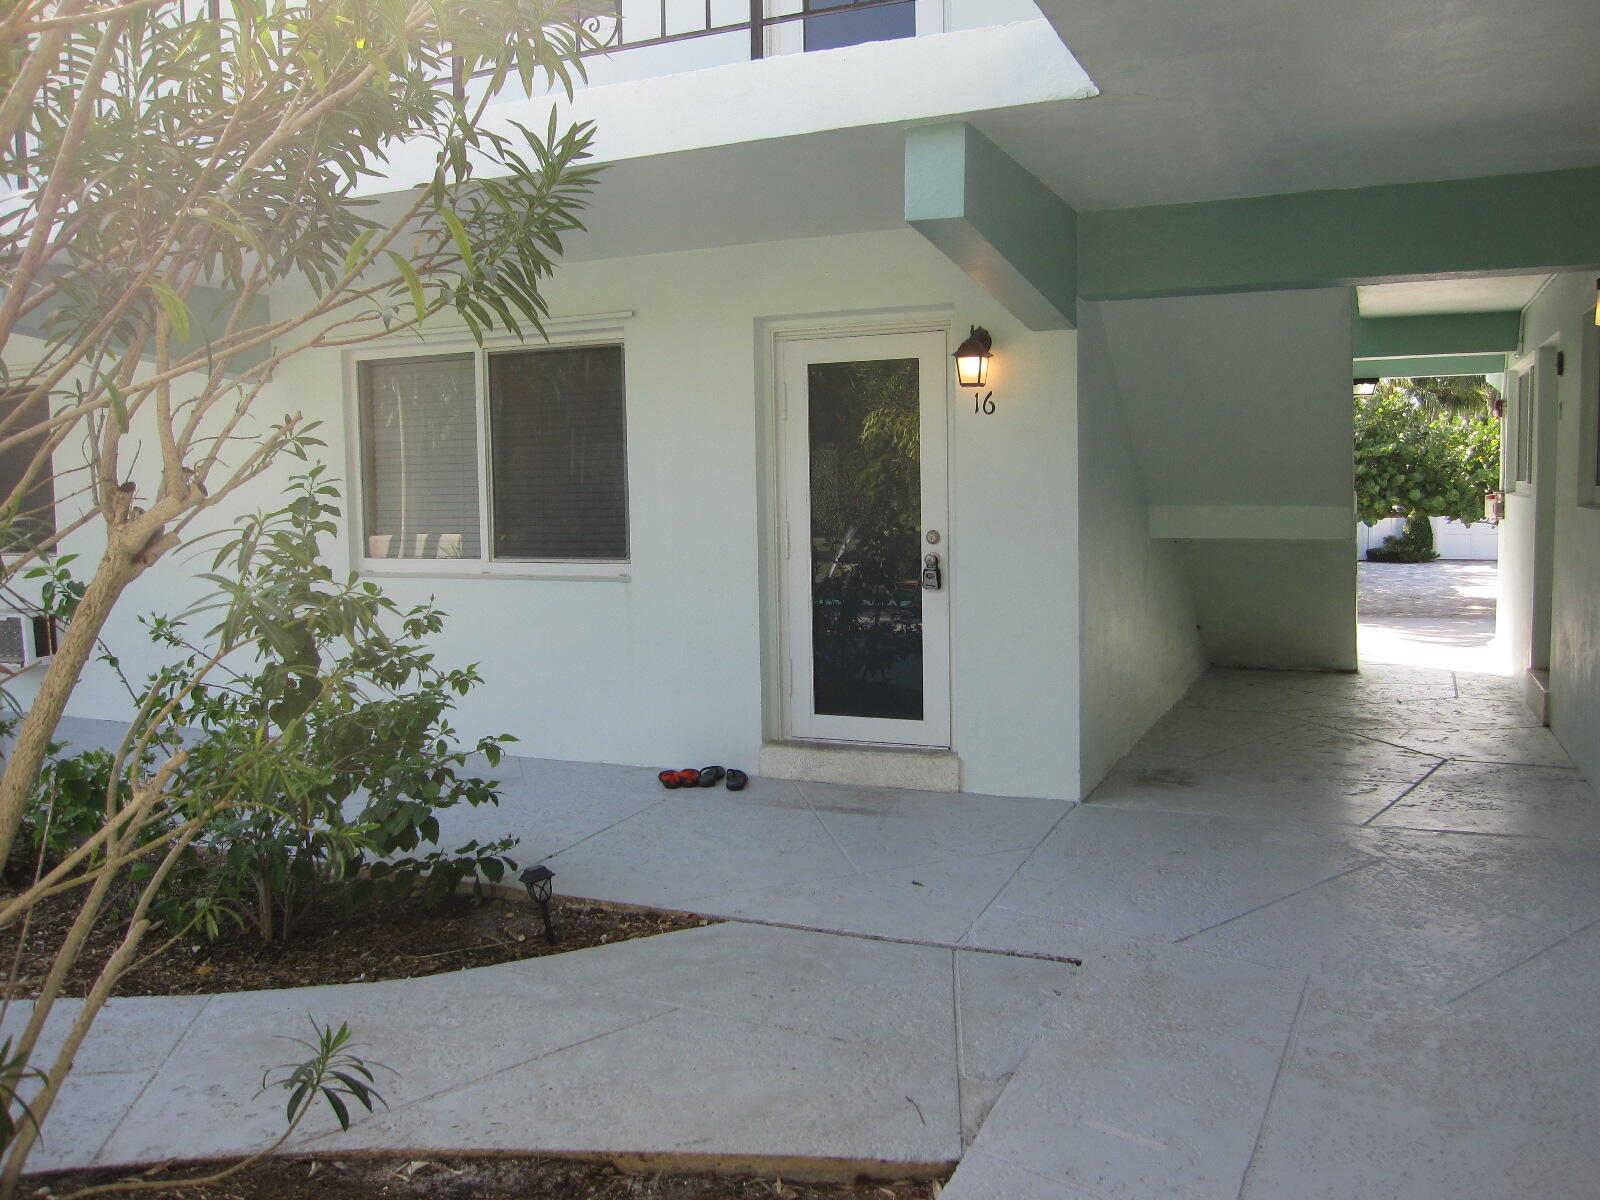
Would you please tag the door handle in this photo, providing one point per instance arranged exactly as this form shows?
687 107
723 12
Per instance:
932 577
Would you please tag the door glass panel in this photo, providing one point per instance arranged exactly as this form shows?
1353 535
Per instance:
866 521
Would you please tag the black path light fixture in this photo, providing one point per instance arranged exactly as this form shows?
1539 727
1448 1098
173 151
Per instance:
972 358
538 882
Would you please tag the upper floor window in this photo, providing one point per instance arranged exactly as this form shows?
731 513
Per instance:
843 23
531 468
34 517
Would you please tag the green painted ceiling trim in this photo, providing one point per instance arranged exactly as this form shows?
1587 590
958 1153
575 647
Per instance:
210 310
1444 333
1428 366
1497 224
998 223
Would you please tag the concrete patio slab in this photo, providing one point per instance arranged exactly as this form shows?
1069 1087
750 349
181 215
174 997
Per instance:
1529 747
1549 802
1385 928
1313 752
1430 1106
842 988
1552 884
1166 875
935 902
1553 990
1328 951
202 1101
696 1083
880 828
1160 1097
982 1176
1002 1004
1343 801
703 843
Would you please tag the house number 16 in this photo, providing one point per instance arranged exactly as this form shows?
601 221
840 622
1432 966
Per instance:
985 405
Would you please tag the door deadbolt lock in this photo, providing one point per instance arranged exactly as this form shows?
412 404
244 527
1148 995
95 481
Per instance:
932 578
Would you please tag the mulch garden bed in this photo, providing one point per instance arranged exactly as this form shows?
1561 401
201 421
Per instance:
336 945
473 1178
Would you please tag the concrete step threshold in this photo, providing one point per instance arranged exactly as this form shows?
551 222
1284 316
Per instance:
857 764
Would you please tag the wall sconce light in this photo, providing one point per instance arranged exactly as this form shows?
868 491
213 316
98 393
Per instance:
972 358
538 882
1597 302
1366 387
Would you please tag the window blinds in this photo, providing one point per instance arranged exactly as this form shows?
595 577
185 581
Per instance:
419 427
35 516
559 454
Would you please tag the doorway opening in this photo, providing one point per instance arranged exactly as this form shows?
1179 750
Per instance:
1428 472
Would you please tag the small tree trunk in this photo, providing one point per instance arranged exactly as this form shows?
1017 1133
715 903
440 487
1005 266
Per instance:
117 570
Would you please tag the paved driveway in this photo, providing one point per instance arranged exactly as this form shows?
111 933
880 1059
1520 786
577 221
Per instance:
1436 589
1339 935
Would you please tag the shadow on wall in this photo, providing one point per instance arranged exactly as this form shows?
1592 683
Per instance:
1286 605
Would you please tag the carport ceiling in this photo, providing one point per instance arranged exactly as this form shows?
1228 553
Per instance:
1222 98
1502 293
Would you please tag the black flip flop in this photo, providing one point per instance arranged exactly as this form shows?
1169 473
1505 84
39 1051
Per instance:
711 776
736 779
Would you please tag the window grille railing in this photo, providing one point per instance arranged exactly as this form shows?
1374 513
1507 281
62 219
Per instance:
607 30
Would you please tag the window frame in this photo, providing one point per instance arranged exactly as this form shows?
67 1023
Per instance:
381 350
1523 414
1588 357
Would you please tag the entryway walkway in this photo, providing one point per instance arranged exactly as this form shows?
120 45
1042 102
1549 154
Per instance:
1340 938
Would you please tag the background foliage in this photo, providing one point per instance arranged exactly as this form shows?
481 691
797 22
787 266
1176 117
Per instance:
1426 450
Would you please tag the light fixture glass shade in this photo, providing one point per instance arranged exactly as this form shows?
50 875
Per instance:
972 358
1366 387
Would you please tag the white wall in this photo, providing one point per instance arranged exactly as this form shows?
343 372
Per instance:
1241 404
1140 644
1564 312
1453 540
670 667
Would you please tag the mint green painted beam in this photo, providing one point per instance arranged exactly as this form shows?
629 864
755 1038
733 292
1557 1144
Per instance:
1428 366
209 311
1498 224
999 224
1445 333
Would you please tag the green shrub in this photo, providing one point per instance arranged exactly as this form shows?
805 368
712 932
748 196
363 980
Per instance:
322 758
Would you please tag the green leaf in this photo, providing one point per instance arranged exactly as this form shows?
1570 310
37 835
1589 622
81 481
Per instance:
458 231
172 304
119 406
357 251
409 274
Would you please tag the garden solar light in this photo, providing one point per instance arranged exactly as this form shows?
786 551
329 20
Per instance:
972 358
537 881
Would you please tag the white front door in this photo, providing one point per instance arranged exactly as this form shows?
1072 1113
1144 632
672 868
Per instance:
866 633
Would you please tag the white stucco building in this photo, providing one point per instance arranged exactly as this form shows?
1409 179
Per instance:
693 527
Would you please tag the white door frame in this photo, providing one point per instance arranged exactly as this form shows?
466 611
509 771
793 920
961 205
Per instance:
794 353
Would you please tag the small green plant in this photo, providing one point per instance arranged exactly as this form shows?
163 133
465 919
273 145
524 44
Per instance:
332 1072
329 756
14 1110
1413 545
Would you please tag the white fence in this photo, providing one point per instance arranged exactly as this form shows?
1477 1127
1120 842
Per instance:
1451 538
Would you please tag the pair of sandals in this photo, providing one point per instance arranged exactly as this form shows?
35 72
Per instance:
705 777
